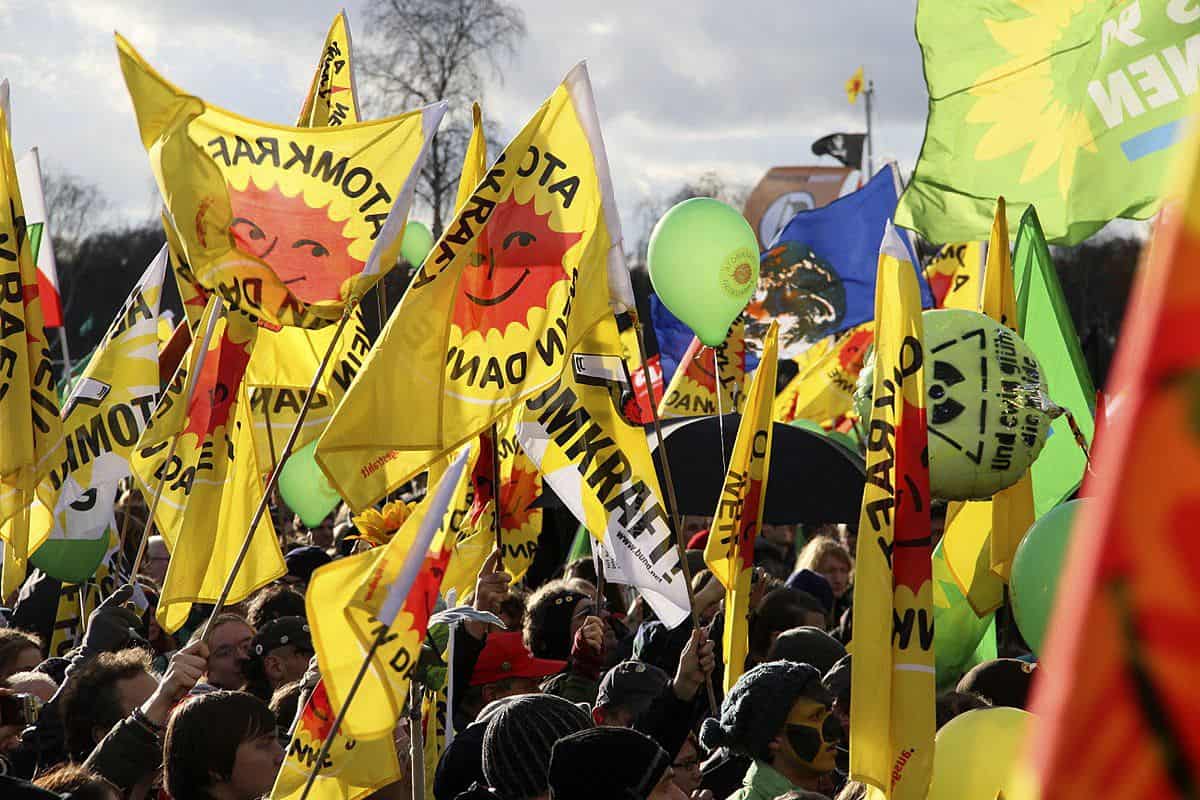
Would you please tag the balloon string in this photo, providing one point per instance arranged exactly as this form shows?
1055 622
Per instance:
1080 439
720 411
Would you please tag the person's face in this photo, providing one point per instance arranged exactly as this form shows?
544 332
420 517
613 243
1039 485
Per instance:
155 562
24 661
810 738
131 693
254 767
286 664
613 717
666 788
837 572
782 535
229 646
687 768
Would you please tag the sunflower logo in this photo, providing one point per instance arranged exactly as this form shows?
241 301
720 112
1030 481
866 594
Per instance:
1028 102
217 385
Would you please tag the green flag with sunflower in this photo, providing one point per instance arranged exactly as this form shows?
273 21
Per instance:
1072 106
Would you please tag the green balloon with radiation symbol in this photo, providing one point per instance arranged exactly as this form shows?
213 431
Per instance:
703 264
1037 568
417 243
304 487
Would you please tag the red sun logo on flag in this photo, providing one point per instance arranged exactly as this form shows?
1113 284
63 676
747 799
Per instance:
517 494
851 354
217 386
317 719
701 365
301 244
519 259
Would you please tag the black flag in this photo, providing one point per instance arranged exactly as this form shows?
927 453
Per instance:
845 147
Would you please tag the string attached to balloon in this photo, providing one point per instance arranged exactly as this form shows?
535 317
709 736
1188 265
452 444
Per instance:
720 409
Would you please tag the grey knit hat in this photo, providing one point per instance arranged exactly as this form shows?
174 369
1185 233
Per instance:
519 739
758 705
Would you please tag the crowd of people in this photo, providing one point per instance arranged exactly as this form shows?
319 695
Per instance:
581 694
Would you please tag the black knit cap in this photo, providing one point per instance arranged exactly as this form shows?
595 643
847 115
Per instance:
553 616
808 645
606 764
758 705
518 741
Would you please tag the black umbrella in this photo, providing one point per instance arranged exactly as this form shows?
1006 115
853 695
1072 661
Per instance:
812 479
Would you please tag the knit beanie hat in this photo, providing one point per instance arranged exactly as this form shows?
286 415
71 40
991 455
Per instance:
1004 681
808 645
606 764
815 584
758 705
518 741
552 621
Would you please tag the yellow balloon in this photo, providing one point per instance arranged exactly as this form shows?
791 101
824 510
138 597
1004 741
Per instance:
975 754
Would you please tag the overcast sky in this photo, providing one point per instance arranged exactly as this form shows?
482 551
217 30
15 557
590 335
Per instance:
682 87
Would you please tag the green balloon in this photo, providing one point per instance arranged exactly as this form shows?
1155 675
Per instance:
844 439
417 243
703 263
1036 568
304 487
808 425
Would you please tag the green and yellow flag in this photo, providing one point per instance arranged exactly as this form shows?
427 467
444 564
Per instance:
211 484
287 224
515 283
105 414
1070 106
892 720
738 517
31 438
693 388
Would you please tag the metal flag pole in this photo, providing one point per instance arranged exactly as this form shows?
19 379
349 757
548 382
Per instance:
870 93
66 353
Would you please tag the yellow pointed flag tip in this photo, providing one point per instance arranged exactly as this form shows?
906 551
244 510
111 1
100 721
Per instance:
854 85
333 96
739 512
234 185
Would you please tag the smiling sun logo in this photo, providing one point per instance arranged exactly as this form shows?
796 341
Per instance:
1028 102
519 261
301 244
218 382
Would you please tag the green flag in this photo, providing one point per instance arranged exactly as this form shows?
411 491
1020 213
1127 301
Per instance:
1045 323
1070 106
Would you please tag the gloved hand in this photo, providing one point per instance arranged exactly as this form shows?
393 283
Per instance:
112 626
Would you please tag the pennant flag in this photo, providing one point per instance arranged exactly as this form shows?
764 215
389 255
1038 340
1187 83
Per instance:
955 275
287 224
982 535
693 389
469 532
356 600
352 769
892 674
1116 701
1071 108
598 463
845 147
1045 324
332 98
960 637
210 485
103 417
854 85
30 429
29 178
474 160
738 517
817 277
512 287
823 389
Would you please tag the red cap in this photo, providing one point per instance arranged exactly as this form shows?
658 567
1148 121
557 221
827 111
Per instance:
699 540
504 656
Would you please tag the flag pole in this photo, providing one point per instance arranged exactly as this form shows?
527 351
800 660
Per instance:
673 510
267 416
192 379
497 523
273 480
416 740
66 354
870 93
341 715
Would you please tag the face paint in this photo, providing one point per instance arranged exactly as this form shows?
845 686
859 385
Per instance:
812 733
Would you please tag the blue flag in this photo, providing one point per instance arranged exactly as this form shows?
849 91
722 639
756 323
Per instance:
817 278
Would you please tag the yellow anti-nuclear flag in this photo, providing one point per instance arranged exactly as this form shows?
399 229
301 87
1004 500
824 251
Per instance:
823 389
982 535
30 429
529 265
211 485
192 295
332 98
386 593
105 414
956 275
474 160
598 463
892 721
288 224
520 487
739 514
693 388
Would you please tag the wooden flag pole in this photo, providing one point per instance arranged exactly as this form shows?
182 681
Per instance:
341 715
273 480
416 740
497 523
673 510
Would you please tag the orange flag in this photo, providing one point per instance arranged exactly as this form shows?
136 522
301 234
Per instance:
1117 697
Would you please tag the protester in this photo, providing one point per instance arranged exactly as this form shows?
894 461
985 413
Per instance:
279 653
504 668
239 764
831 561
38 684
807 645
20 651
156 560
635 767
105 690
780 716
686 766
780 610
272 602
302 562
1001 681
78 783
518 742
229 640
